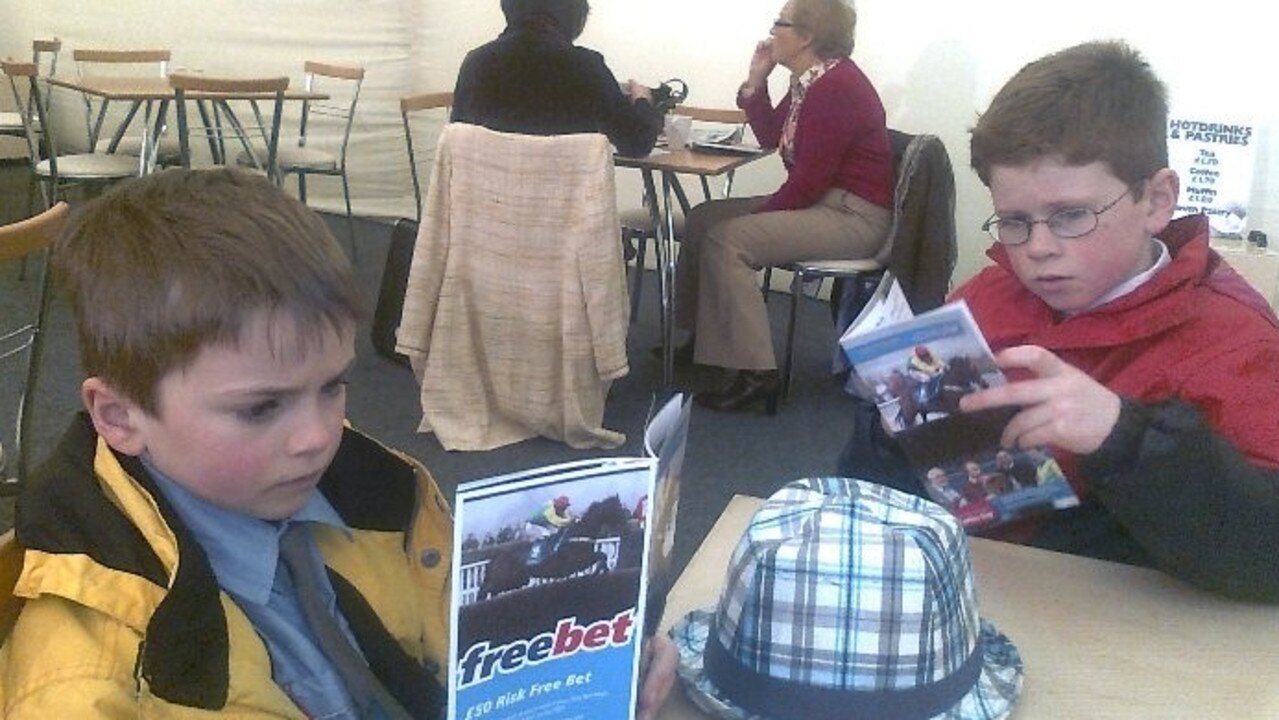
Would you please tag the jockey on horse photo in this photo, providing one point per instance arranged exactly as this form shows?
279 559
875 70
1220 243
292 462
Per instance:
546 528
927 371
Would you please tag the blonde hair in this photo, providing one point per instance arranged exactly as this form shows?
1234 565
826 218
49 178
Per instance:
832 23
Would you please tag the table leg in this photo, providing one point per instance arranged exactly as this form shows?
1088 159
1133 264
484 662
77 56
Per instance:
663 226
145 150
241 133
158 128
95 128
124 124
679 192
211 133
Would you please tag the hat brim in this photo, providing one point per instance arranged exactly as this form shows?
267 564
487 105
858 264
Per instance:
992 697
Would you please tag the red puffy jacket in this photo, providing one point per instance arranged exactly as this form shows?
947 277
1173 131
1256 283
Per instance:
1190 471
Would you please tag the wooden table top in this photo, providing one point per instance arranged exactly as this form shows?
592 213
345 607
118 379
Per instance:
689 161
1099 639
154 87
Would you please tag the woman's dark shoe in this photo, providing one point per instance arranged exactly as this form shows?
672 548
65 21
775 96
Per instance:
748 388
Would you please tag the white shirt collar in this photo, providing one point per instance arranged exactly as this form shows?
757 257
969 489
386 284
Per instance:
1136 281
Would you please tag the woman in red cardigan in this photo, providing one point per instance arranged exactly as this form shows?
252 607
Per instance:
830 131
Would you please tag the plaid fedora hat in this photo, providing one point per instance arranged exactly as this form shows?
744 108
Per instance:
847 599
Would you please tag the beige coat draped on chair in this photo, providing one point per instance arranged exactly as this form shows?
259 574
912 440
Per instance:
515 314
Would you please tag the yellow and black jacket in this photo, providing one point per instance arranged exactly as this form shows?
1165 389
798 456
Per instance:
121 615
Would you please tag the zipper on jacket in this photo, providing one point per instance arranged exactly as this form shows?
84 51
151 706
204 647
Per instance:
137 672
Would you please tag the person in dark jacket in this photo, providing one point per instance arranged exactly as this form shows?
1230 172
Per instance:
533 80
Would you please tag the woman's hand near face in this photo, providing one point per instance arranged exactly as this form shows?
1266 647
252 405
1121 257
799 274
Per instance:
762 65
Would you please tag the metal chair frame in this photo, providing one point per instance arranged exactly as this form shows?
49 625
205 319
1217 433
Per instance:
809 270
44 55
317 75
55 169
19 241
410 104
12 124
87 60
637 224
224 122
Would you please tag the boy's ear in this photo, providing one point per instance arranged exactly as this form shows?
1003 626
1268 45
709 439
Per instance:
1162 190
115 416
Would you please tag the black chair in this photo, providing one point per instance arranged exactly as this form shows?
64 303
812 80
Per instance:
922 246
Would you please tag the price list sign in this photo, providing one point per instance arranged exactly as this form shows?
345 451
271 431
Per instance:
1214 159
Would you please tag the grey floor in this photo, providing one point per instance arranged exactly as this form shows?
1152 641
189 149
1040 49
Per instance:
727 453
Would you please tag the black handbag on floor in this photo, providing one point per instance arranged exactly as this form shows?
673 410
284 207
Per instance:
390 298
870 454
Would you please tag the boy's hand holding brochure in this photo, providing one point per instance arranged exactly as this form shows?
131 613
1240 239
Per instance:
1061 405
943 396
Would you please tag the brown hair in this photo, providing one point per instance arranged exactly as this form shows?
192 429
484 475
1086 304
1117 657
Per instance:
164 265
832 23
1099 101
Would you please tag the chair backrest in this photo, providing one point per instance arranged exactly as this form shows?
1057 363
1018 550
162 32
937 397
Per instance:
924 245
20 240
46 51
225 123
24 237
90 61
44 55
531 215
10 569
85 58
324 77
411 105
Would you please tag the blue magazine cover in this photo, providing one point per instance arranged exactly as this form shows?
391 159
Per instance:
916 369
549 592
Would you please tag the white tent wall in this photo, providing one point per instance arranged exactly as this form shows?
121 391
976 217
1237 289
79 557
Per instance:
936 64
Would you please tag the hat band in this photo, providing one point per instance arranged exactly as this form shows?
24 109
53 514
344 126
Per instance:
779 698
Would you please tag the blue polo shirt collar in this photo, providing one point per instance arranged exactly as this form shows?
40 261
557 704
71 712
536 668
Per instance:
243 551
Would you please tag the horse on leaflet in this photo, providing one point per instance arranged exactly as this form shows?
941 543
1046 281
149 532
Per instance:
575 552
960 378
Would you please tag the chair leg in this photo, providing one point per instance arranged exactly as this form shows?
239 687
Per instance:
26 397
788 360
637 283
350 220
32 181
659 252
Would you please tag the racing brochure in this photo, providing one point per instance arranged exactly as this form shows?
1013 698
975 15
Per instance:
915 369
555 572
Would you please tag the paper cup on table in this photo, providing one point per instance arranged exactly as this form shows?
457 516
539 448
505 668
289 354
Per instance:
679 128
